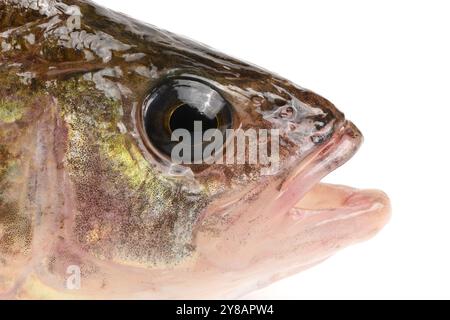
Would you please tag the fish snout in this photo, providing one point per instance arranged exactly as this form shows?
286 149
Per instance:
337 150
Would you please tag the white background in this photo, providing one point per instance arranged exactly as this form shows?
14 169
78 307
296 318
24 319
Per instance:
386 64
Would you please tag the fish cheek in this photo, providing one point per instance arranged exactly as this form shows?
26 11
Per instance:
125 211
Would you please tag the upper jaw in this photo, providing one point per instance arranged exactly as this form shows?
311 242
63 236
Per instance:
341 146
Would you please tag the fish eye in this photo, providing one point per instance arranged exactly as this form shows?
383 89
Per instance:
187 104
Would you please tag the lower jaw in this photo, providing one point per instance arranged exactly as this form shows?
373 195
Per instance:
358 214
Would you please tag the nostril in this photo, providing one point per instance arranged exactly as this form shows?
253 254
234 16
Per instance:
287 112
321 121
279 102
319 125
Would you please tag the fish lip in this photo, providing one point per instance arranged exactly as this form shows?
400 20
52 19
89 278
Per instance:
341 147
336 151
339 215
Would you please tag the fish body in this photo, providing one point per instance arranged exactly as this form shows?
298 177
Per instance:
92 204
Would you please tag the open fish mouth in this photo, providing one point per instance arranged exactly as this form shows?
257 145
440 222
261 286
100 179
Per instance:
341 214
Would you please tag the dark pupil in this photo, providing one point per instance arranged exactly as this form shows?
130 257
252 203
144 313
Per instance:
185 116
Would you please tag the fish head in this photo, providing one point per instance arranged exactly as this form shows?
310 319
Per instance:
92 104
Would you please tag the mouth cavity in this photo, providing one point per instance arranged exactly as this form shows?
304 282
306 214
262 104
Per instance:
331 204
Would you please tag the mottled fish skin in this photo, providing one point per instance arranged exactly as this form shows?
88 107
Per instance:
78 185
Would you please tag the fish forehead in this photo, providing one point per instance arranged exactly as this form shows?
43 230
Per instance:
97 38
108 35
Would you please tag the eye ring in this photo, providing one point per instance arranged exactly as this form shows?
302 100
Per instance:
175 103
